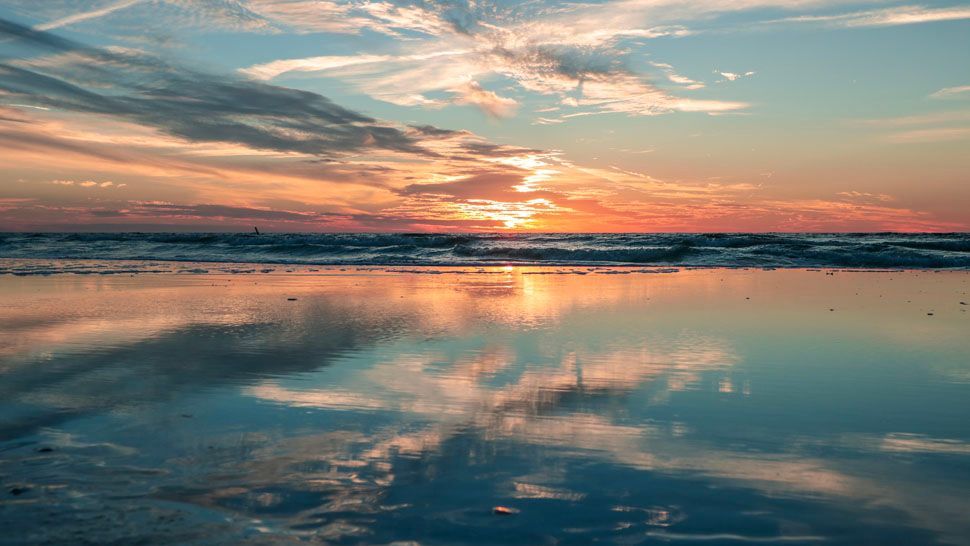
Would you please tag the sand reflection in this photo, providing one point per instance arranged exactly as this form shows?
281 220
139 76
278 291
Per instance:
357 391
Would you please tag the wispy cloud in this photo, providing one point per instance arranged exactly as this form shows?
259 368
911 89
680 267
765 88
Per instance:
560 53
86 15
917 443
488 101
962 91
87 184
465 91
187 103
273 69
676 78
354 17
931 127
905 15
866 196
548 121
937 134
935 118
734 76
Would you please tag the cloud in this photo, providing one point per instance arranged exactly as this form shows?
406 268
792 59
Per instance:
734 76
932 127
125 111
210 211
866 196
87 184
571 23
937 134
189 104
283 155
936 118
167 14
488 101
676 78
952 92
917 443
270 70
685 81
553 52
148 214
354 17
273 69
84 16
548 121
904 15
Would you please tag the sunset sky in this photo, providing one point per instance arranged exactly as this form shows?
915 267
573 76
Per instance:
625 115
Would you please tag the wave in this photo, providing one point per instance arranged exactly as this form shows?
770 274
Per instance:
850 250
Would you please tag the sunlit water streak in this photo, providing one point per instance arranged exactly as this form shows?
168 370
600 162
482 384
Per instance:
367 407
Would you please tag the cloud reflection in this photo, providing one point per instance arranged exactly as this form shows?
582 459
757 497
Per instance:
402 398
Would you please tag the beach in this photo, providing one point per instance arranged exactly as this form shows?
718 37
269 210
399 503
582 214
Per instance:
274 404
497 273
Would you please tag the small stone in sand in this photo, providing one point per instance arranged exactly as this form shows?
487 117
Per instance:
929 314
504 511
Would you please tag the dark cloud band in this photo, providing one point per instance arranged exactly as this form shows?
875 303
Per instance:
187 103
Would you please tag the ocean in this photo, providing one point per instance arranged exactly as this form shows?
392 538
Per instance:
780 250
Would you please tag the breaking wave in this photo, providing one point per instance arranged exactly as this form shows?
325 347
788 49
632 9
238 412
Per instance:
853 250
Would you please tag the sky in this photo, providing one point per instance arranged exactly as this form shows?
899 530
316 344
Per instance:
605 116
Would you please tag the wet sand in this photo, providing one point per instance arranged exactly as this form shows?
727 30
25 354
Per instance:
374 405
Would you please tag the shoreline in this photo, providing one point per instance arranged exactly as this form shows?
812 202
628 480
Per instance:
21 267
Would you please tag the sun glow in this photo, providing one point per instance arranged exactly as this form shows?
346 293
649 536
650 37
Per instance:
533 181
591 160
531 162
511 215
